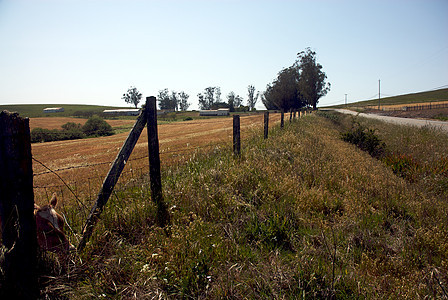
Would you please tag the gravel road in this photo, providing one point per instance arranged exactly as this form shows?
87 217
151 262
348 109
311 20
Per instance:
401 121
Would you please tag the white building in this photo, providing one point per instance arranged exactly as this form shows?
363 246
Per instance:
122 112
215 112
53 109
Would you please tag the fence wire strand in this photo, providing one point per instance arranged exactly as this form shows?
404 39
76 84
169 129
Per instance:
166 151
60 178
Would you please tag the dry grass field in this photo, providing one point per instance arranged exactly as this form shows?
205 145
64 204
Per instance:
57 122
83 164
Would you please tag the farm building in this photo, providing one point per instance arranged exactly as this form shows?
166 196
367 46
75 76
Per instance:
215 112
122 112
53 109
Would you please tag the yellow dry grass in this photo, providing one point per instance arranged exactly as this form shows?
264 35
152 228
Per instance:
84 163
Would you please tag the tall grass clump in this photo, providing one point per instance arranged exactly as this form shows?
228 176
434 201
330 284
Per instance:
300 215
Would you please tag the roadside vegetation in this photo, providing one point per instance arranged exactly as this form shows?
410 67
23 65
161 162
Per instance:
303 214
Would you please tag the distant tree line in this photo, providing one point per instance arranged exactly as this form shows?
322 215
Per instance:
177 101
298 86
94 127
211 99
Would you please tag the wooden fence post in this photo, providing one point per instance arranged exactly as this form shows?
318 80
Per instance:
163 217
282 119
236 135
112 178
17 209
266 124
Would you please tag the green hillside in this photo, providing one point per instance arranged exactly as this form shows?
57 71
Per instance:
431 96
36 110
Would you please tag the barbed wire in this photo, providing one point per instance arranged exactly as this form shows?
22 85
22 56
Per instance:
70 189
131 159
89 165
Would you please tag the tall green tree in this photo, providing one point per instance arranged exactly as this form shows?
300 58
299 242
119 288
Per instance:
252 97
210 98
132 96
164 99
312 80
231 101
202 102
283 93
173 100
183 101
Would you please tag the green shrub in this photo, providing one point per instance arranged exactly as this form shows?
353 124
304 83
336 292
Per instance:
70 131
365 138
96 126
272 232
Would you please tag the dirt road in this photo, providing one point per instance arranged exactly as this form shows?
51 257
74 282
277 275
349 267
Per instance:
400 121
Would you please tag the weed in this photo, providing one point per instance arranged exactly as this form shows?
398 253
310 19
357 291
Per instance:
403 165
272 232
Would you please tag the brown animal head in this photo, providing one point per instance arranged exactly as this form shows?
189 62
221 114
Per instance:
50 229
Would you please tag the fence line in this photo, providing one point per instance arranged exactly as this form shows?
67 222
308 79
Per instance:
130 160
162 152
90 185
86 187
411 107
425 106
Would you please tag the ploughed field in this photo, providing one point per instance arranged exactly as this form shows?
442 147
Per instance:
83 164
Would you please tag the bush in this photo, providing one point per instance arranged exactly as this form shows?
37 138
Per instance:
96 126
70 131
365 139
70 126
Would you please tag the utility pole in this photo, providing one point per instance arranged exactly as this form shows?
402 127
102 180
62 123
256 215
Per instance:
345 99
379 93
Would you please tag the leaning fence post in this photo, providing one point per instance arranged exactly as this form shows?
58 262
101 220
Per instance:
236 135
266 124
282 119
112 178
17 208
163 217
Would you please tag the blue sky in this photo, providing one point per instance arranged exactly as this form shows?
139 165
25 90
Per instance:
91 52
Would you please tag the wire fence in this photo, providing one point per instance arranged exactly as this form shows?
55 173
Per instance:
410 107
84 189
82 182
